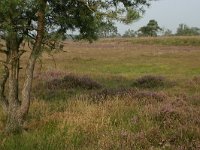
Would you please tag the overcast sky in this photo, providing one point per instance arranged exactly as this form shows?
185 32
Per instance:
169 14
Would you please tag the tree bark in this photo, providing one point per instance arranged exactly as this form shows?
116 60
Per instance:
14 123
3 80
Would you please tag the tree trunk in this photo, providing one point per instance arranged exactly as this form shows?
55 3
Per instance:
17 110
15 121
13 117
32 60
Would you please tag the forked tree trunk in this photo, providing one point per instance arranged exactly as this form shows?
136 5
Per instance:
12 44
15 109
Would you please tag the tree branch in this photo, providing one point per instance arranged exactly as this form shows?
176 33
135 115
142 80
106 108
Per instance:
85 3
54 61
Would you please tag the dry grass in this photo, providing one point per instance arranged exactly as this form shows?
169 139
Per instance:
118 123
117 116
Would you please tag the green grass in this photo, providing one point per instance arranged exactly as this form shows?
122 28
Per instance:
123 115
126 58
169 41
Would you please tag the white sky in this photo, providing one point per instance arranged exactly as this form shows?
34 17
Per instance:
169 14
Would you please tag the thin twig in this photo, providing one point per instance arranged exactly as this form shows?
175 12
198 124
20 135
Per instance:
53 60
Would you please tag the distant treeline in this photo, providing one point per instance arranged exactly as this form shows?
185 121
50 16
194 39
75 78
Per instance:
152 29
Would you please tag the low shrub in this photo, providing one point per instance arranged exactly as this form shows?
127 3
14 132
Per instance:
150 81
194 100
149 95
196 79
72 81
175 113
194 83
69 82
178 121
62 88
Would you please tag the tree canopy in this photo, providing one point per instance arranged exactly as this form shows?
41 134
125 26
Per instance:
85 16
107 29
150 29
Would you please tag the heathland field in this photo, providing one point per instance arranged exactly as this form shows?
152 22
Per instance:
114 94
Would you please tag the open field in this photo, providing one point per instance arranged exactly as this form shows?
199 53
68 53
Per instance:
139 93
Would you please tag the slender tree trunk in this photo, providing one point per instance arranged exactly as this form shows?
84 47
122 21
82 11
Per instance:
32 60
